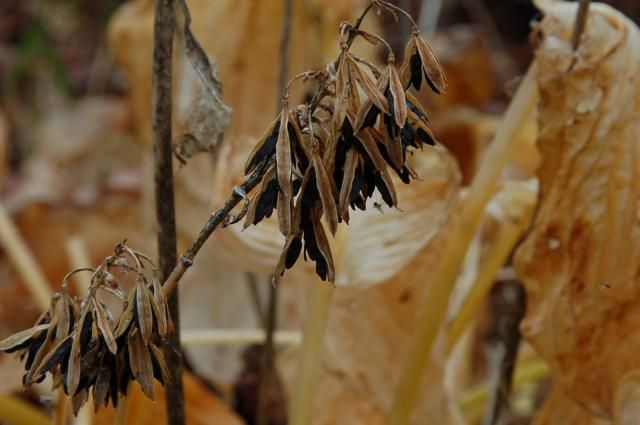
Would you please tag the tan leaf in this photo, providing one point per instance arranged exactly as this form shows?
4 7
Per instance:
579 263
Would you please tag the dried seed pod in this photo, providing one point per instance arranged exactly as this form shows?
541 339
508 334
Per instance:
419 60
140 361
265 148
144 311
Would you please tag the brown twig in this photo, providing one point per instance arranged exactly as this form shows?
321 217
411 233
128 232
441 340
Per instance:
580 23
186 259
507 306
164 28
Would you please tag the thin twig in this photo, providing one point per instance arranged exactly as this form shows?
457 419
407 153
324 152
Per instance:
507 305
164 28
186 259
580 23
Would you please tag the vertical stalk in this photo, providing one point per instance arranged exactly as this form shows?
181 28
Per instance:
436 298
302 396
164 27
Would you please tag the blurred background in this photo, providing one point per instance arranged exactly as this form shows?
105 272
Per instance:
75 153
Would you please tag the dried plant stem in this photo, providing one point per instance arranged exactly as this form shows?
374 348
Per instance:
311 351
62 409
17 412
580 23
267 366
186 259
24 262
239 192
164 28
504 243
191 338
436 299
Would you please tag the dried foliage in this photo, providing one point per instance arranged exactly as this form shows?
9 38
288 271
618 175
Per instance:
88 346
579 263
330 154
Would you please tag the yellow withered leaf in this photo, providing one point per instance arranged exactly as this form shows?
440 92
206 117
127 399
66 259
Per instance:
579 262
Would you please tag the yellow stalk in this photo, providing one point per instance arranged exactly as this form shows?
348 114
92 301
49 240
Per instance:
61 410
436 300
23 260
190 338
506 239
17 412
319 301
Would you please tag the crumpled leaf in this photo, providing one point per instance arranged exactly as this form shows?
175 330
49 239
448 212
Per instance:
208 116
579 262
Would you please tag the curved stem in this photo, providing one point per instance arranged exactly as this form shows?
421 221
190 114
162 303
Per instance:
414 26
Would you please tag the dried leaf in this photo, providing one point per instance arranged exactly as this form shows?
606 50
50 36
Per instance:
209 116
579 261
